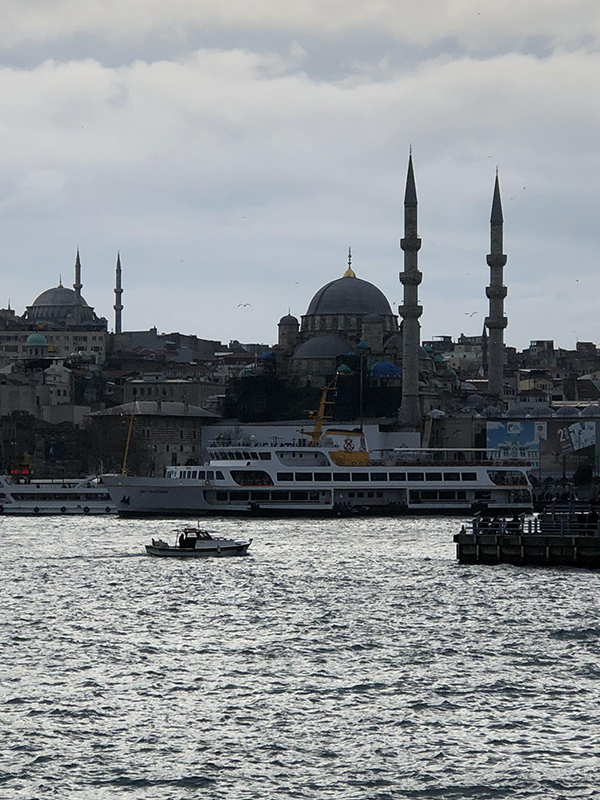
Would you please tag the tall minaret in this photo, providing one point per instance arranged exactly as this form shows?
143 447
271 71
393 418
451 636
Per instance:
78 287
410 310
118 306
496 292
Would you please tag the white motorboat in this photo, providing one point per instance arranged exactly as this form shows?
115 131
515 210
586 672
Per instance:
197 543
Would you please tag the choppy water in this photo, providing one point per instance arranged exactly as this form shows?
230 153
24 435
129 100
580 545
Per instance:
342 659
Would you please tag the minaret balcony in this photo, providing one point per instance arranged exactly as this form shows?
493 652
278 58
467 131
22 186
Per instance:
412 278
496 323
496 292
496 260
410 243
410 312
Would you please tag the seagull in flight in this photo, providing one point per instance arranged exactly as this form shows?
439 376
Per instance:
472 314
243 305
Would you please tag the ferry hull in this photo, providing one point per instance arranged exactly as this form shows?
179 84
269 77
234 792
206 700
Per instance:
146 497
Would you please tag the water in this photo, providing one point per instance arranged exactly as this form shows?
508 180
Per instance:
342 659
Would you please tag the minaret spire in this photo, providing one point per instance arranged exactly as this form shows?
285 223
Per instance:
496 322
410 310
118 306
78 286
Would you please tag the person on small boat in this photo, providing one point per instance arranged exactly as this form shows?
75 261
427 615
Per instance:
182 540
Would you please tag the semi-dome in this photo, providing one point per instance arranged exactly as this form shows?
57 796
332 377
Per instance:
349 295
323 347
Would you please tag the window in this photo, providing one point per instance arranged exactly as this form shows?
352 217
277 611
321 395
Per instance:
360 476
221 495
195 474
398 476
304 476
220 476
280 495
285 476
264 456
433 476
468 476
201 475
451 476
341 476
379 476
415 476
298 495
322 476
210 475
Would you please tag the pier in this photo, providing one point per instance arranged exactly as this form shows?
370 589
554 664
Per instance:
568 540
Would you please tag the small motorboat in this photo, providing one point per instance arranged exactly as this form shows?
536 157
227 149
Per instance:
197 543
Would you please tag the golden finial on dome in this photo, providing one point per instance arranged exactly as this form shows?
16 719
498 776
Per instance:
349 272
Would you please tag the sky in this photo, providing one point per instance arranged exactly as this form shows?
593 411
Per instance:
232 151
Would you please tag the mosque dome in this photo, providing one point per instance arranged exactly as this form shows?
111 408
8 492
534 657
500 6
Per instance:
349 295
58 296
36 340
289 319
385 369
323 347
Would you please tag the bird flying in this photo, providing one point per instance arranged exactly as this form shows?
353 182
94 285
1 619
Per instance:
472 314
243 305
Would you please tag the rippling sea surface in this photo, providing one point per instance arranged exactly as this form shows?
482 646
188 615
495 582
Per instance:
341 659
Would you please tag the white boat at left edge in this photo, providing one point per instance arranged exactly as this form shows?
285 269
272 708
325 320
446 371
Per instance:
54 497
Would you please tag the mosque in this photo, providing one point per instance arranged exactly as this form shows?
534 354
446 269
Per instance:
58 324
350 318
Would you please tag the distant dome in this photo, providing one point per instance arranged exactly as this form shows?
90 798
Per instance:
394 342
58 305
289 319
349 295
36 340
58 296
323 347
385 369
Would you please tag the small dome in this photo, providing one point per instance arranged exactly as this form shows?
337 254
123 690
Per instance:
423 353
344 369
385 369
566 411
591 411
474 401
491 411
36 340
394 342
289 319
323 347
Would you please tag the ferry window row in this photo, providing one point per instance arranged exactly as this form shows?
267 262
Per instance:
197 474
240 455
402 477
55 496
273 496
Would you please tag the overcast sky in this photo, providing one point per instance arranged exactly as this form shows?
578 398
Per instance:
232 150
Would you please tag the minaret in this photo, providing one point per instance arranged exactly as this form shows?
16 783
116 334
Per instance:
78 287
118 306
410 310
496 292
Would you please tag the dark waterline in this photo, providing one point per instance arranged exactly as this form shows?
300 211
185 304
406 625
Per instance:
342 659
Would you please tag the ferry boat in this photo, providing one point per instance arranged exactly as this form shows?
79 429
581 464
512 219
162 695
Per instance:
32 497
330 471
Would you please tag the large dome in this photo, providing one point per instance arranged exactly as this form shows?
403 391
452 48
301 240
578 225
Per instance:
58 296
349 295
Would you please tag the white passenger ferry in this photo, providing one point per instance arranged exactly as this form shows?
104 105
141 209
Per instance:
328 471
337 475
32 497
